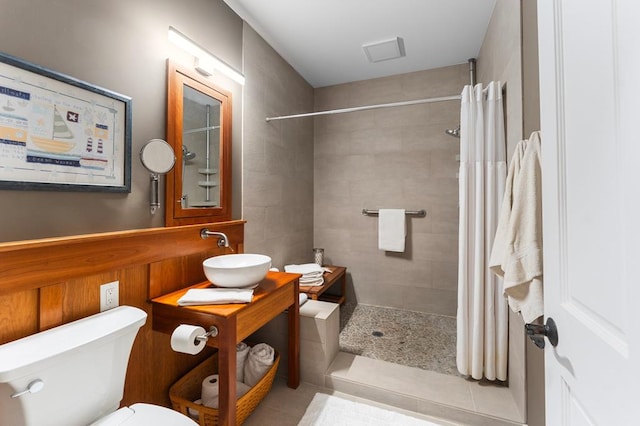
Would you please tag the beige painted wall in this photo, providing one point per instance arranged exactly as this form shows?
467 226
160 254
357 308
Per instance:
531 115
391 158
278 157
120 45
509 54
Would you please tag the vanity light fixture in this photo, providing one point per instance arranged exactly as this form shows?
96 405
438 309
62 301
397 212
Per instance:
205 62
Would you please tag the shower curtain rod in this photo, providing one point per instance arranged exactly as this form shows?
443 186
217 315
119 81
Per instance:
362 108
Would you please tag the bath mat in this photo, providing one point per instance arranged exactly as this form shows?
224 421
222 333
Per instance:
328 410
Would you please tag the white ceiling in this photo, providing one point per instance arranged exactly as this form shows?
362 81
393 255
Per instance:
322 39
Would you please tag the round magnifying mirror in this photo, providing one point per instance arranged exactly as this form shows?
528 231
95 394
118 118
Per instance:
157 156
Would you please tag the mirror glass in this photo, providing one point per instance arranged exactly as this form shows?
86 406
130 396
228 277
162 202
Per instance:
199 130
200 149
157 156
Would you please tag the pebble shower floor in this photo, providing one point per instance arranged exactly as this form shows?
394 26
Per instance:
413 339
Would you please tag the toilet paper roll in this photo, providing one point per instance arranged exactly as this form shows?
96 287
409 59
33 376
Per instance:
210 390
183 339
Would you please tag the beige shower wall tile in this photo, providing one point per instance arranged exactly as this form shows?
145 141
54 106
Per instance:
328 146
435 247
438 82
444 275
255 227
399 117
261 190
346 168
444 163
364 242
406 274
377 193
330 193
337 218
443 191
349 121
403 165
375 141
444 218
443 302
374 293
428 137
281 158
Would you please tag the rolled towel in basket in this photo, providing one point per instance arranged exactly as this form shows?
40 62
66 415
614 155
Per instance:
242 351
259 361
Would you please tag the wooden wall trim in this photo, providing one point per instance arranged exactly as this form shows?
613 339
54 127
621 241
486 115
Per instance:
32 264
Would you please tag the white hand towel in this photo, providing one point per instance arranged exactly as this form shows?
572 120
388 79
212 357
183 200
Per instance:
392 229
306 268
242 351
259 360
215 296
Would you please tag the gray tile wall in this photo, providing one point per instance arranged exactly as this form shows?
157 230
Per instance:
277 157
391 158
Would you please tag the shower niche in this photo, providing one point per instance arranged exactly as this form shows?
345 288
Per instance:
199 129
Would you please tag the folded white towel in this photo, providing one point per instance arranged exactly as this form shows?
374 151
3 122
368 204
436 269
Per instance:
259 360
392 229
242 351
215 296
306 268
310 277
313 282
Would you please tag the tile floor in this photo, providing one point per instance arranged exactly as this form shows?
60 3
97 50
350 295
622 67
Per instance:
414 339
285 407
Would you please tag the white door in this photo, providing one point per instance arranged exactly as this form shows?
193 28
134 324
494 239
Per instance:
590 119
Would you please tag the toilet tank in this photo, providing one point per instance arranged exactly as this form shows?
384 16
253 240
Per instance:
82 365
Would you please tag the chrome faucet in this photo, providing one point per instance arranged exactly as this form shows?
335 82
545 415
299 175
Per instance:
223 240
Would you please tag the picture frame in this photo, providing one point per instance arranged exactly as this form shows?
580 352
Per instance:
58 133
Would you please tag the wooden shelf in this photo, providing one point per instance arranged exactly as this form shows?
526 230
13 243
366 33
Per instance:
339 274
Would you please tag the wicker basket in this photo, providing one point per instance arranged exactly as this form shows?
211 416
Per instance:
186 390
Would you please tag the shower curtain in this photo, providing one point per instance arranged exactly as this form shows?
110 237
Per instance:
482 309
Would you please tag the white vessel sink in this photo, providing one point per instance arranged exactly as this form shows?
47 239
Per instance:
242 270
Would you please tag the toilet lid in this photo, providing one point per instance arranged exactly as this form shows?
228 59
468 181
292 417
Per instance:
145 415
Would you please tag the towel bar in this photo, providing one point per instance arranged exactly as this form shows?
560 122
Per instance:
419 213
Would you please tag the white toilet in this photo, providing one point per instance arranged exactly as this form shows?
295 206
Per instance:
74 375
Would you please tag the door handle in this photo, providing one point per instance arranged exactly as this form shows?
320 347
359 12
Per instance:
537 333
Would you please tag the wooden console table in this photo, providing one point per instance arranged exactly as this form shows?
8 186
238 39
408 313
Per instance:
339 274
235 322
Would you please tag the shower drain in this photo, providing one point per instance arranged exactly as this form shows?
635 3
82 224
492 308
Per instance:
378 333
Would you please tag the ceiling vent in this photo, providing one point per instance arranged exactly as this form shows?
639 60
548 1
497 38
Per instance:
384 50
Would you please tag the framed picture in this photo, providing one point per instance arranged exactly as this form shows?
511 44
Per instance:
59 133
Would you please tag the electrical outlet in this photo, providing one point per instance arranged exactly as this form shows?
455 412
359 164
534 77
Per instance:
109 295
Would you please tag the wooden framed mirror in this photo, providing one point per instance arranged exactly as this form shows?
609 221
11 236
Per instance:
198 190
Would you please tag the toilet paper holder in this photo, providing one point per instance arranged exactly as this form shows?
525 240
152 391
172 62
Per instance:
213 332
